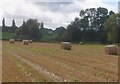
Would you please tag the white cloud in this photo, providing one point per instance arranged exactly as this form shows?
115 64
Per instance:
10 9
22 10
19 9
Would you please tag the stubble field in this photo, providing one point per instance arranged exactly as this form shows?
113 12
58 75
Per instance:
39 62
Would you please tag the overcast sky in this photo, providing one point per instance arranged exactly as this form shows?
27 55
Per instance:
53 13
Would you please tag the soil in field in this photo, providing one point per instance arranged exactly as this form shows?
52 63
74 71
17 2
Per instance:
11 72
48 62
0 61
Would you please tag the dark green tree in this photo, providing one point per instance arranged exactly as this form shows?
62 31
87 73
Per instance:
3 25
14 27
60 33
59 30
89 27
41 25
29 30
102 16
3 22
33 28
113 28
73 31
111 13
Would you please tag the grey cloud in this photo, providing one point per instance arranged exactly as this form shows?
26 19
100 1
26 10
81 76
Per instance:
52 6
55 7
8 15
19 19
66 7
52 0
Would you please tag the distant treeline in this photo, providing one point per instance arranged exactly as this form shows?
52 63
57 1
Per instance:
92 25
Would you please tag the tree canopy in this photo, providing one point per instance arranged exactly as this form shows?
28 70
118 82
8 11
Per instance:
113 28
29 30
92 25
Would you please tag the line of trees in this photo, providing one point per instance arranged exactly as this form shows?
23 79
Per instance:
92 25
28 30
9 29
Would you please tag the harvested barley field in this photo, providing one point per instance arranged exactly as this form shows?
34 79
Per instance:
39 62
0 61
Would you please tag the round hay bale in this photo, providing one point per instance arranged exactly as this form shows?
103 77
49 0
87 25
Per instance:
30 41
25 42
111 50
66 45
81 43
12 41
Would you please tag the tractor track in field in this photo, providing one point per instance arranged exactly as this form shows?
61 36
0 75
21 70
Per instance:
41 70
76 72
76 63
60 67
11 71
73 61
